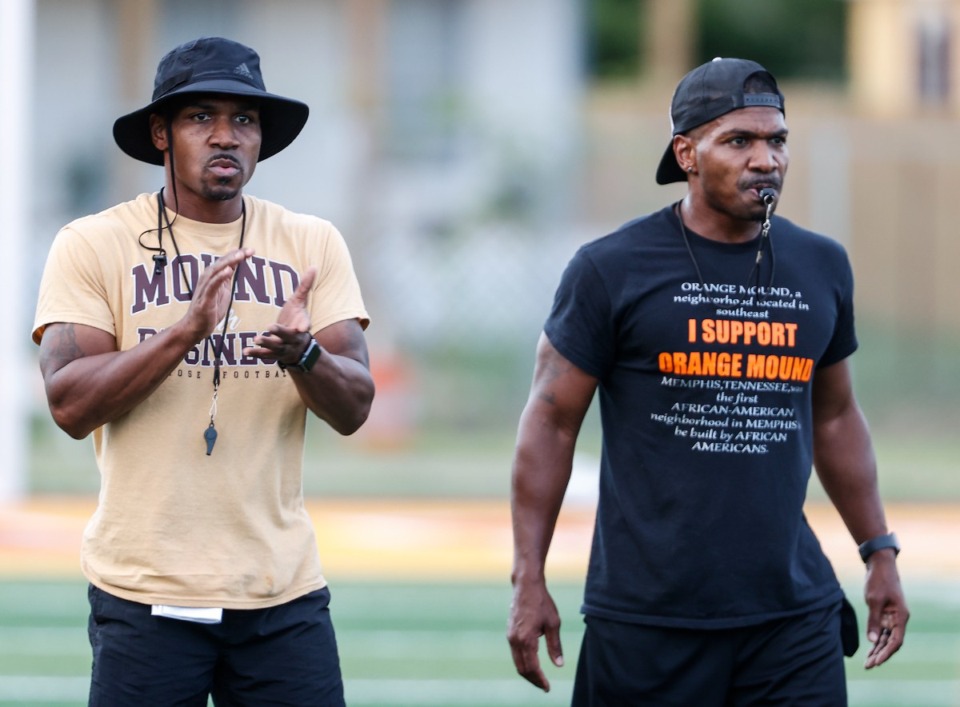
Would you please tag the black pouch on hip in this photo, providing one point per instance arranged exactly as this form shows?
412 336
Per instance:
849 632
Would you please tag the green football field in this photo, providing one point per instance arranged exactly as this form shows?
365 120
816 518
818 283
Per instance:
441 644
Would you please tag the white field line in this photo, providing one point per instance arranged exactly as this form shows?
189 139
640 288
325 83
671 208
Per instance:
20 689
905 693
925 647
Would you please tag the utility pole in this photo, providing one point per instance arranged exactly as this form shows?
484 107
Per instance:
670 40
16 70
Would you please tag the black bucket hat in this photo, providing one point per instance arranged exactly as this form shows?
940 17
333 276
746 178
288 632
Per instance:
709 91
212 65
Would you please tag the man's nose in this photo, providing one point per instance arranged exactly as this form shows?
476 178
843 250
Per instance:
765 158
224 133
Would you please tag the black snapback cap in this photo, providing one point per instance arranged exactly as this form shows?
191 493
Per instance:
709 91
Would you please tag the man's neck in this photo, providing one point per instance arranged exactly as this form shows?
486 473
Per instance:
197 208
716 225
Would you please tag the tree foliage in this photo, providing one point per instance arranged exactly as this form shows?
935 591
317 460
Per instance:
793 38
614 37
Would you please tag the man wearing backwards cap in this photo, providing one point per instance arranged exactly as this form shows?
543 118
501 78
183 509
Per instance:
717 336
190 331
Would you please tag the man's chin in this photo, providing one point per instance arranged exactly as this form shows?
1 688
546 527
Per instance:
221 193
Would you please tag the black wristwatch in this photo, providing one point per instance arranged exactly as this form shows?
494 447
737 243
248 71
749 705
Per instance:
880 542
309 357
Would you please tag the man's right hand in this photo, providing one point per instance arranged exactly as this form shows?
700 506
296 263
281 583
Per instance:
559 398
532 615
90 382
211 297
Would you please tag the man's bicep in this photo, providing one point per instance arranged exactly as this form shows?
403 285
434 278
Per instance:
65 342
832 392
560 389
345 338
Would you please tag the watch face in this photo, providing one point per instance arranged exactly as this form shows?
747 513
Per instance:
310 356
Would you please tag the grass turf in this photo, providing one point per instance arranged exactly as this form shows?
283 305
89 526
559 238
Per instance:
441 643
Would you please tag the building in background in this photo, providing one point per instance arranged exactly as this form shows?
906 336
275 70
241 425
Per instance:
903 161
904 57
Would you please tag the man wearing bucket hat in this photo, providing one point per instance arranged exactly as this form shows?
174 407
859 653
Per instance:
190 331
717 336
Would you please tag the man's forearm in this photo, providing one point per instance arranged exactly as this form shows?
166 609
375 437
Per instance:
847 468
541 472
338 390
87 388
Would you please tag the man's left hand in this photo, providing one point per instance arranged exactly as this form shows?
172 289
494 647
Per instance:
887 620
286 340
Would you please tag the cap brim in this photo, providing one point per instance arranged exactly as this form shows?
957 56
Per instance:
281 120
669 171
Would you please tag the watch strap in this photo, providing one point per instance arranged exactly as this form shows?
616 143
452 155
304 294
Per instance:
880 542
307 359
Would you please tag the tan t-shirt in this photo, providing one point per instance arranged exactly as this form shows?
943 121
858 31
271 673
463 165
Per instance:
173 525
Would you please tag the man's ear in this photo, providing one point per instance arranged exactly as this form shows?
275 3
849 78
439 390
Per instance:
158 132
685 151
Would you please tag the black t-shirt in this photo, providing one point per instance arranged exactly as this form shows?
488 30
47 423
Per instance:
705 402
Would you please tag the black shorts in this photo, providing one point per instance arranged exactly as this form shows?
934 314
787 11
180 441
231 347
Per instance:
284 655
796 661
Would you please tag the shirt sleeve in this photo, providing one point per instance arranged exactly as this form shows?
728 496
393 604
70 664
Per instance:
336 293
844 340
72 287
581 323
